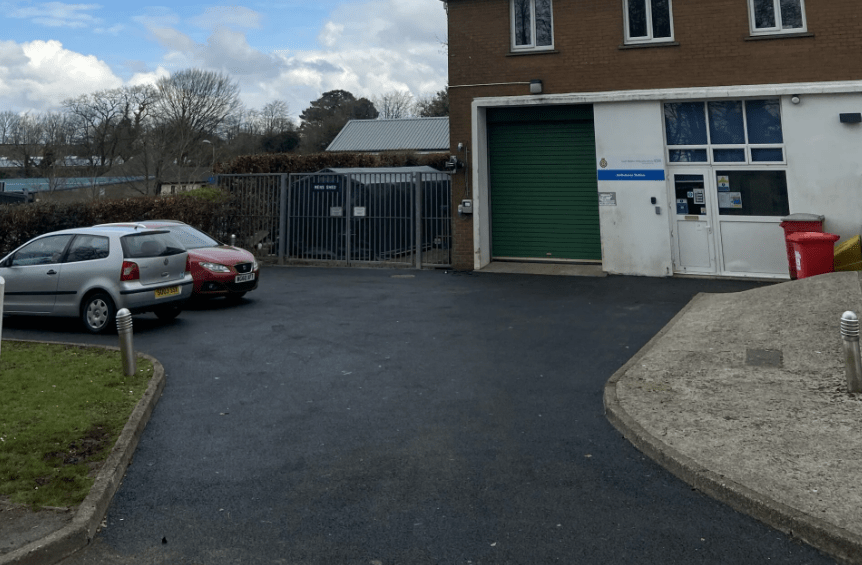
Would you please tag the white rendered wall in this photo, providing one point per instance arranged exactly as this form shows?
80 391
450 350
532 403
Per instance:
824 160
635 240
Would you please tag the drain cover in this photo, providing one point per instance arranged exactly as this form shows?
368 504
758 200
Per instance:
763 357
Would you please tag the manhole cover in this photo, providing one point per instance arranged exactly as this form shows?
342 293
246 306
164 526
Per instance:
763 357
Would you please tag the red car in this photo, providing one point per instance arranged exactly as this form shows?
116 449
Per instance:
217 269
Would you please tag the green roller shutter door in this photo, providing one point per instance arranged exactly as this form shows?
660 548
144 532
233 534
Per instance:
543 189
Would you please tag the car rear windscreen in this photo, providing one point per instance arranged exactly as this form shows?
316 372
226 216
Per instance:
192 238
153 244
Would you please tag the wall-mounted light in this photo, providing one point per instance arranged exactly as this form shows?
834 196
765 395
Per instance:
795 99
852 118
535 86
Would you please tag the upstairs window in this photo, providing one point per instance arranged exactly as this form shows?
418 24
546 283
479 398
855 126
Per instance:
648 21
532 25
724 131
777 16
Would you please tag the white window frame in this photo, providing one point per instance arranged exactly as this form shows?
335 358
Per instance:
710 147
778 28
648 38
532 46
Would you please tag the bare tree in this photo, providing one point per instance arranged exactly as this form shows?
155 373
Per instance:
95 118
55 144
193 105
275 118
138 139
8 123
394 105
25 144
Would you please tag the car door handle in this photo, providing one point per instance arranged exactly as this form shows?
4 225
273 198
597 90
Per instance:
51 272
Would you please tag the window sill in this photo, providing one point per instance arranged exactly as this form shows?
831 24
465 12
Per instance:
777 35
532 52
646 45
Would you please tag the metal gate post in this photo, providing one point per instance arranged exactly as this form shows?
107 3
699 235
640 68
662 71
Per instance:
348 217
2 295
282 218
417 194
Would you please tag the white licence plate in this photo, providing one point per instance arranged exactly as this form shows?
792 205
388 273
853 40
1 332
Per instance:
244 278
168 291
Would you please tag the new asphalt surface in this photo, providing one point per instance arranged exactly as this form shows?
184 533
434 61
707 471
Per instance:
382 417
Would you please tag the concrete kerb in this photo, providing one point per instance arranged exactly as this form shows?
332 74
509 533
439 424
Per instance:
842 545
90 514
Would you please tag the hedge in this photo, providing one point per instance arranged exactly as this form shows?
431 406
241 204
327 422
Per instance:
207 209
20 223
293 163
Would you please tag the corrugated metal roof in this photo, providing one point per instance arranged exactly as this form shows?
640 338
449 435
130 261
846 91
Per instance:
411 134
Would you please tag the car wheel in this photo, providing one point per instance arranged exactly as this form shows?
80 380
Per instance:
167 313
98 312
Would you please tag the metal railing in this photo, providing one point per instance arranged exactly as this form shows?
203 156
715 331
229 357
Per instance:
255 217
367 218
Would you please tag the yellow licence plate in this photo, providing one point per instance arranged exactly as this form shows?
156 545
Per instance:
169 291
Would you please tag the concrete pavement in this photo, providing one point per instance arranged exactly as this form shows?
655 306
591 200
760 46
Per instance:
744 397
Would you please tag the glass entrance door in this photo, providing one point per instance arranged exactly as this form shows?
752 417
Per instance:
693 234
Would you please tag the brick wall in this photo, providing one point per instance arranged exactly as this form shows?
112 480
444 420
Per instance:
714 49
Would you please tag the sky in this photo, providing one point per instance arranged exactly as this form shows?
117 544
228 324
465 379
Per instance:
291 50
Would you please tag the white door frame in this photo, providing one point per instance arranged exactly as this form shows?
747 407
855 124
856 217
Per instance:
694 236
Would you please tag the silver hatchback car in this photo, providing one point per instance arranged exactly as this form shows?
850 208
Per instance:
93 272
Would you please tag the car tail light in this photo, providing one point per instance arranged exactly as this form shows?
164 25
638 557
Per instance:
130 271
188 264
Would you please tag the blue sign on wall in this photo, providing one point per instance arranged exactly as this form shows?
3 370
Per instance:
631 174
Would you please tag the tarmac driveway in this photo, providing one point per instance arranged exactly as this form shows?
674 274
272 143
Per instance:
385 417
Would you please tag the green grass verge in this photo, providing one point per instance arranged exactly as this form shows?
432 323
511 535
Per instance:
62 409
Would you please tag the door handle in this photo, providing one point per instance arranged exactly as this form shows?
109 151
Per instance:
51 272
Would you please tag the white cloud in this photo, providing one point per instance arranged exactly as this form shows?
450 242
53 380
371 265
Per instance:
157 16
39 75
113 30
366 48
331 34
58 14
371 48
148 77
235 16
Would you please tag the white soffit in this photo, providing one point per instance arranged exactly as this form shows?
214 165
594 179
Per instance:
661 94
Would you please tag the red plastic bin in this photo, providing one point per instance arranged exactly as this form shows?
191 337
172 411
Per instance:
813 252
795 223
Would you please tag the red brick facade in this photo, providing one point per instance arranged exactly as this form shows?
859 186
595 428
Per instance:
712 47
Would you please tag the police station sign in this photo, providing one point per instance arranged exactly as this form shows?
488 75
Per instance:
631 168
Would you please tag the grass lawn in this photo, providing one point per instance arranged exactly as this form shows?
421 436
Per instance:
62 408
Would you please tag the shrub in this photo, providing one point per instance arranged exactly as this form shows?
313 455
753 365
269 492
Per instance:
18 224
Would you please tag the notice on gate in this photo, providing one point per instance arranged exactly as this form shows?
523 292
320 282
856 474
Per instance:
359 211
328 187
336 211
